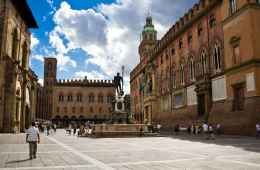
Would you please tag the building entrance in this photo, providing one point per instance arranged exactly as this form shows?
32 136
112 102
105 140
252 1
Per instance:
201 105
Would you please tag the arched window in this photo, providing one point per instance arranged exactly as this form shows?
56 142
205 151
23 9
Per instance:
191 69
182 76
79 97
91 98
203 62
109 98
14 43
216 57
174 78
100 98
70 98
61 98
24 57
91 109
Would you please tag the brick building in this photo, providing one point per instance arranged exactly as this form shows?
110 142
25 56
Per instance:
75 100
17 80
203 69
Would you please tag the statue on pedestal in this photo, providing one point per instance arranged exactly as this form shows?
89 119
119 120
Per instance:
118 80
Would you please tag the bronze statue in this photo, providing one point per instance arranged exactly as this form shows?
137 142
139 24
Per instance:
118 80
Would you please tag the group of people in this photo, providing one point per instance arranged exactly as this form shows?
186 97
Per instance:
80 130
208 130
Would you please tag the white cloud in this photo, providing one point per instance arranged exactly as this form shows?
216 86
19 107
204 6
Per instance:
34 41
40 81
110 33
95 75
38 57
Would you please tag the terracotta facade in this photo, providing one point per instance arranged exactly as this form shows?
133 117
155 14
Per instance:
203 69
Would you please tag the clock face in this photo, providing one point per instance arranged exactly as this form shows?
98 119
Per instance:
119 105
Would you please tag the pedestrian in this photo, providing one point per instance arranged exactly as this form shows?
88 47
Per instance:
257 126
54 128
218 128
32 137
74 130
211 132
159 127
48 129
205 129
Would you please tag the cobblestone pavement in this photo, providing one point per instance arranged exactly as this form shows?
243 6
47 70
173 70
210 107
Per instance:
60 151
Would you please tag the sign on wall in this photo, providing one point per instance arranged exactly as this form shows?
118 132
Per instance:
191 95
219 89
250 81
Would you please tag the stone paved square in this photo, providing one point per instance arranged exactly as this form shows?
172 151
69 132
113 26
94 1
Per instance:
63 152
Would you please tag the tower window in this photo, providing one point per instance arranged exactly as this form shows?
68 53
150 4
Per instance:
190 39
216 57
180 44
191 70
182 77
212 21
232 6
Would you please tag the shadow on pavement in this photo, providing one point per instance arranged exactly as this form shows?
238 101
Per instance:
18 161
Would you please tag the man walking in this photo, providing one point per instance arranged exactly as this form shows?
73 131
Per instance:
32 137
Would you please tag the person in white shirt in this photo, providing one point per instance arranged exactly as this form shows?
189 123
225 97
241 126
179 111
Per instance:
257 126
32 137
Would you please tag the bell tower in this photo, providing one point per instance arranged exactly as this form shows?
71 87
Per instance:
149 38
50 71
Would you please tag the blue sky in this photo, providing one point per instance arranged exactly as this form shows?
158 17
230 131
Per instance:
94 38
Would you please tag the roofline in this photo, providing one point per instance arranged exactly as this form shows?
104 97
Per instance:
26 13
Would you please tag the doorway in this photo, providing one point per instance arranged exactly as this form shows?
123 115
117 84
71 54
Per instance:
201 105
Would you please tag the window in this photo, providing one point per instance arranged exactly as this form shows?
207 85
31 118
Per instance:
232 6
200 30
91 98
191 70
109 99
100 99
258 1
180 44
212 21
24 57
174 78
73 109
14 44
190 39
236 54
70 98
61 98
58 110
203 62
182 77
216 57
81 109
239 97
100 110
173 51
65 109
91 109
79 98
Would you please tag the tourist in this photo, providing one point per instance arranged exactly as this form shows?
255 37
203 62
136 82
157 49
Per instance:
48 129
211 132
205 129
177 129
159 127
74 130
257 130
32 137
218 128
54 128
